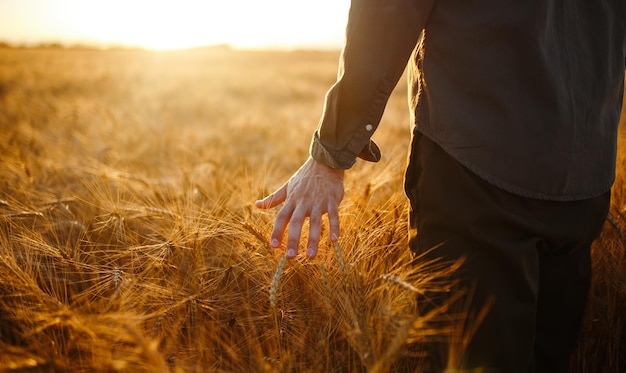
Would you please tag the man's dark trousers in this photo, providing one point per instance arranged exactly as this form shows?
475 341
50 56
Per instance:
529 259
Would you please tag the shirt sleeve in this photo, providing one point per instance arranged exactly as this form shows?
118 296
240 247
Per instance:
380 36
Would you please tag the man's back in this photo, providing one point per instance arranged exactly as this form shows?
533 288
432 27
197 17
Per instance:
527 94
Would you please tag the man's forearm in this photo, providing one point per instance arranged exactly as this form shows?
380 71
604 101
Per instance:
380 37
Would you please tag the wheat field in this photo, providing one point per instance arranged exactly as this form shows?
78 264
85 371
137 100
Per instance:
129 241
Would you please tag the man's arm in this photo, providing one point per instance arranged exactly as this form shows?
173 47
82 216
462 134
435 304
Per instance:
380 36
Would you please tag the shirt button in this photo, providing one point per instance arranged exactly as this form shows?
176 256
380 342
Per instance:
369 127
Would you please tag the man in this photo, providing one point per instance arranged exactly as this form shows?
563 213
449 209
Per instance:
515 106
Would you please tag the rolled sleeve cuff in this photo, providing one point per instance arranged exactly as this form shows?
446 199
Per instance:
342 159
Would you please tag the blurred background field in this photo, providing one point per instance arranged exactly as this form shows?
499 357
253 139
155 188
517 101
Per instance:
129 240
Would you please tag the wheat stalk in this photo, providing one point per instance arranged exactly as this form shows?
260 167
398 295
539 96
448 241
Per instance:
275 284
363 341
617 225
401 282
326 286
21 214
274 287
258 235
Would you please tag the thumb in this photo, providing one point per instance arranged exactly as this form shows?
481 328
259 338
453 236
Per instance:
273 199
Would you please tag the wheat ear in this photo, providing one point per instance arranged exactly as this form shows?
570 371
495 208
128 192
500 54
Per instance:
274 286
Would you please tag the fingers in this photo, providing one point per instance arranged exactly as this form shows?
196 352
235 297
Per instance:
283 219
295 230
294 219
333 221
273 199
315 226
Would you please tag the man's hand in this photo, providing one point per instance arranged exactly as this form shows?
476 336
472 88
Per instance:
314 190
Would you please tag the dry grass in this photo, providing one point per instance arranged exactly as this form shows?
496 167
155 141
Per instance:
128 239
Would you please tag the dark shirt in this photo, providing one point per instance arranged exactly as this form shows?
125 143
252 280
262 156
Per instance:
525 93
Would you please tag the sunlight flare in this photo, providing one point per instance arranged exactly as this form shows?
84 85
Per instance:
178 24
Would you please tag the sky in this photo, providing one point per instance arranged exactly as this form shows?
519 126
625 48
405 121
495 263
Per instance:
174 24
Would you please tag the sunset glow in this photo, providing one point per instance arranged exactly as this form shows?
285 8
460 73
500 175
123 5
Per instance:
175 24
